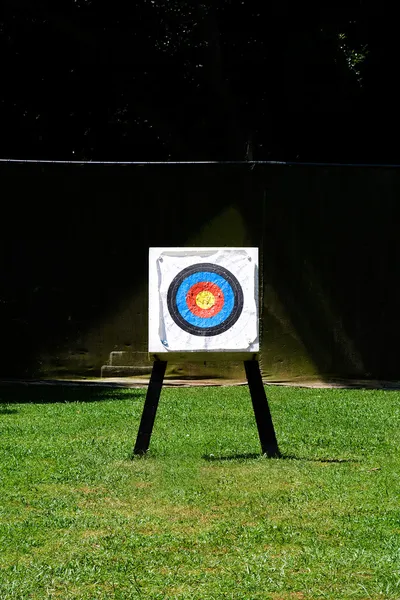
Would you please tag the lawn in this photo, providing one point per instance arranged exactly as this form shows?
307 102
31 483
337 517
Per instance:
203 515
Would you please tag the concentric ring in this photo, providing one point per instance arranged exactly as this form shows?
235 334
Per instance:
205 299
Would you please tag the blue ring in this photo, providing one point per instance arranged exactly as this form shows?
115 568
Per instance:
203 322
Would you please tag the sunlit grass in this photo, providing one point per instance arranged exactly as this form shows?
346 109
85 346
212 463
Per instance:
203 516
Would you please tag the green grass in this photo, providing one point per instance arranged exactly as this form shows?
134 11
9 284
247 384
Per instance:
203 516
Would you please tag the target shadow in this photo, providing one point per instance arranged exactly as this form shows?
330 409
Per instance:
258 456
229 457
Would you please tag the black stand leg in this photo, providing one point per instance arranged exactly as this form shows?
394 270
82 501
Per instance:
266 432
150 407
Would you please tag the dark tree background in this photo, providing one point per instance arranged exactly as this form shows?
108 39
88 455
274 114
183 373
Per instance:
183 80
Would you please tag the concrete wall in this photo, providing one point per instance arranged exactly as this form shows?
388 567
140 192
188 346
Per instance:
74 250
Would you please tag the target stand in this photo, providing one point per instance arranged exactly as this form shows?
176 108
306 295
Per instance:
266 431
203 305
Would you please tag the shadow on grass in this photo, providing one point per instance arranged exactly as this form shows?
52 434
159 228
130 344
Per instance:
52 394
5 410
218 458
254 456
319 460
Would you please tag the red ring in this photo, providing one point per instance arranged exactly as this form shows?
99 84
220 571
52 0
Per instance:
204 286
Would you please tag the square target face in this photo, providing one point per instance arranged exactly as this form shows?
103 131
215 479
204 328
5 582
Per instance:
203 299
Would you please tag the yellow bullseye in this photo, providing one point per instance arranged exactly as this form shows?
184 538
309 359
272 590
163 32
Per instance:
205 300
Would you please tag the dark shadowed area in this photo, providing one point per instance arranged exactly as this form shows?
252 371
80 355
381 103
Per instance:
74 262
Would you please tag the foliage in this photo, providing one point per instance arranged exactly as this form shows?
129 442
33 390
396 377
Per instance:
165 79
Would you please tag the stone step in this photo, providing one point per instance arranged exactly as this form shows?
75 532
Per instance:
124 371
123 363
122 358
205 370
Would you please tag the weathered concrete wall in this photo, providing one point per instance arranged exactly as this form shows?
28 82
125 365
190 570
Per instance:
74 250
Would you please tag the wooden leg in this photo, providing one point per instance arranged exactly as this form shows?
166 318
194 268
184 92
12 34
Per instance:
150 407
266 432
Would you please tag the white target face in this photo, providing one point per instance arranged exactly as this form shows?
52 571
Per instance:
203 299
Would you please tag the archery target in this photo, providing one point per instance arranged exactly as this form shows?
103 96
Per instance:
203 299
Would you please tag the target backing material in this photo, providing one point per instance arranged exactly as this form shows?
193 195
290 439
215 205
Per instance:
203 299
